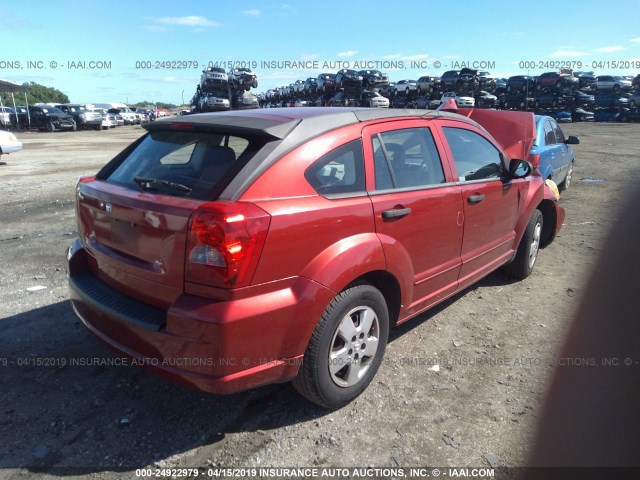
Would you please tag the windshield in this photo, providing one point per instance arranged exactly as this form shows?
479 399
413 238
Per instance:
53 110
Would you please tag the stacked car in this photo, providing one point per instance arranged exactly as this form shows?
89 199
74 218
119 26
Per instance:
219 90
564 95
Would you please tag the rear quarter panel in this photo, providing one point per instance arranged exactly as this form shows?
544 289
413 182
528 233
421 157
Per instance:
328 240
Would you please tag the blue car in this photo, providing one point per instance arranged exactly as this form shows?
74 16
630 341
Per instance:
551 152
562 116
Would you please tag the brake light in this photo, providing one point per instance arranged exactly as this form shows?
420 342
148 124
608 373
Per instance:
225 242
181 126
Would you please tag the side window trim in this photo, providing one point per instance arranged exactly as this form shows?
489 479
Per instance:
386 191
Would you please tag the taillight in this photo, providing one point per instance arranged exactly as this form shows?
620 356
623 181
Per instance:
225 242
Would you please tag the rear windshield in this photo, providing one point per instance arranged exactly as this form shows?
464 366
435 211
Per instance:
186 164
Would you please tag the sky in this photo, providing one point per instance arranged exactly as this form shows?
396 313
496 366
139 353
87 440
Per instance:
117 51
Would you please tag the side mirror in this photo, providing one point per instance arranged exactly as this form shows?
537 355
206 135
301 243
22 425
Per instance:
519 168
572 140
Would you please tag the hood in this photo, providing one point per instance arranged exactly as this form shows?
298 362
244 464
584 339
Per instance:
514 131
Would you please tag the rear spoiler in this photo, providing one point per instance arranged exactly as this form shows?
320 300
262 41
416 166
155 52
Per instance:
514 131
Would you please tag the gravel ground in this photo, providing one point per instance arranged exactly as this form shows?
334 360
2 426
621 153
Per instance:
465 380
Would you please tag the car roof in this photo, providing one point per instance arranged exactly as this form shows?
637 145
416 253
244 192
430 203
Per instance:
280 122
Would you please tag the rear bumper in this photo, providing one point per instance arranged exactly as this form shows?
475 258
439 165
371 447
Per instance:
11 147
215 346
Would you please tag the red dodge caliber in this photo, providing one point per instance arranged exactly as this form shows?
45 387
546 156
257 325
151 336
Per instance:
231 250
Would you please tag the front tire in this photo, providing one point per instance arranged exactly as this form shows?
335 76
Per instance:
527 253
346 347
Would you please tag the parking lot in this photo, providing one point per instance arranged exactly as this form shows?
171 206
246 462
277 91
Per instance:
465 380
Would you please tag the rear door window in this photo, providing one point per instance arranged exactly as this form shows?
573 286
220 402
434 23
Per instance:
181 163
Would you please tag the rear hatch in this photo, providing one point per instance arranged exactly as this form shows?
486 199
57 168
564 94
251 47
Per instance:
133 217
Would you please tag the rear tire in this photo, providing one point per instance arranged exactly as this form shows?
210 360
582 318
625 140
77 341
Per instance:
527 254
567 180
346 347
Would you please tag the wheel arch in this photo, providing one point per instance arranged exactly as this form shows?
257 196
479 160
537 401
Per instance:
367 261
549 219
546 171
390 289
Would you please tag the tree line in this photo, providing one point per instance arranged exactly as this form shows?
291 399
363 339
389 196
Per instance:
37 93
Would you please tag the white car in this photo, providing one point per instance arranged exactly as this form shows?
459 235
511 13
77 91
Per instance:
9 143
7 117
405 86
109 121
374 100
129 116
462 102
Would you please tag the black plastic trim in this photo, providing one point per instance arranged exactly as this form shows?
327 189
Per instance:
93 291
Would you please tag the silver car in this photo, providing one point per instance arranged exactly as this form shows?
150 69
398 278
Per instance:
612 82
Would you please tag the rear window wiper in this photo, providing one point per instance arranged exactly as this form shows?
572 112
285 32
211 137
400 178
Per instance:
149 183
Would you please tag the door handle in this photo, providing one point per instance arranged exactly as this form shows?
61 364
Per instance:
395 213
473 199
